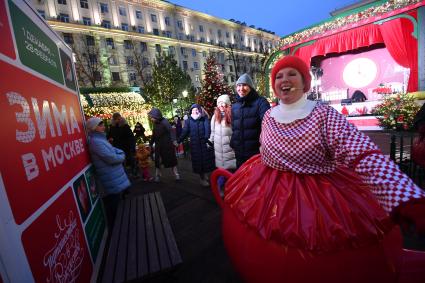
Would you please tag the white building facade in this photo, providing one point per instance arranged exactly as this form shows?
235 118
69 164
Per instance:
127 35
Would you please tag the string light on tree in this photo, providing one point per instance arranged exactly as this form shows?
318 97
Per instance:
213 85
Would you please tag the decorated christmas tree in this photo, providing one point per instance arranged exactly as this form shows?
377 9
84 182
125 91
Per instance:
213 86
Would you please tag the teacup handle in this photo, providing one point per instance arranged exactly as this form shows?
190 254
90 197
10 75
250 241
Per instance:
214 177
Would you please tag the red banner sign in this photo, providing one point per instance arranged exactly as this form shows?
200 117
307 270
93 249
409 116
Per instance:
61 255
43 139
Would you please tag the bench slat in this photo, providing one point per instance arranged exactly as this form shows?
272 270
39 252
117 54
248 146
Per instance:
154 265
159 233
108 273
169 235
142 251
132 241
142 240
120 265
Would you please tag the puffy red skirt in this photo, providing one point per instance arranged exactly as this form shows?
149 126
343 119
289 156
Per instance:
285 227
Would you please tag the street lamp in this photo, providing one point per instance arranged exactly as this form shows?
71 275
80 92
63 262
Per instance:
185 94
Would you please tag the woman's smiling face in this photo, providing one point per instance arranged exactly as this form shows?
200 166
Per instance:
289 85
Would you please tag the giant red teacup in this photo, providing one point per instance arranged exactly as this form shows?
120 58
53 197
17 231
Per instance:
259 260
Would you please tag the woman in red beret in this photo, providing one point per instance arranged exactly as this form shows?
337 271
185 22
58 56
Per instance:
319 203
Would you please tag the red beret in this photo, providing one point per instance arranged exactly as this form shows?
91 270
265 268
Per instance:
296 63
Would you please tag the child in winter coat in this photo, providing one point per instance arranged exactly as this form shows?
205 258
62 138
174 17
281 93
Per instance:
142 156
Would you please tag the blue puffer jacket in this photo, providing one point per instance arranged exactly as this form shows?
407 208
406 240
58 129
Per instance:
247 115
199 132
108 161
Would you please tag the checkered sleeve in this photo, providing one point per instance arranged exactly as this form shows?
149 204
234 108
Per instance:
352 148
388 183
346 144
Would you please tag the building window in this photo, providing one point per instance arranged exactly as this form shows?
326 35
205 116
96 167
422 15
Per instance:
112 60
97 76
183 51
89 40
116 76
122 11
93 59
110 42
197 78
124 27
158 48
185 65
62 2
138 14
180 24
145 61
204 54
202 39
87 21
192 38
84 4
129 60
171 50
67 37
153 18
227 34
64 18
128 44
230 68
194 52
180 36
106 24
155 31
104 8
140 29
42 13
143 46
219 33
167 21
132 76
201 28
168 34
196 65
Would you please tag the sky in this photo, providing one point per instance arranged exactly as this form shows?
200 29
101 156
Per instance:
280 16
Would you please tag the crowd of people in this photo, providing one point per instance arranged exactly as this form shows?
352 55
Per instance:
303 177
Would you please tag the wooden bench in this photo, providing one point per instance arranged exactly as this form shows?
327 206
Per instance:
142 242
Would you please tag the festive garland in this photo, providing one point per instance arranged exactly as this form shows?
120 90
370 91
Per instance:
343 21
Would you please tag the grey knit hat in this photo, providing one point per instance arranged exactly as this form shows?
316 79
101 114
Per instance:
155 113
245 79
92 123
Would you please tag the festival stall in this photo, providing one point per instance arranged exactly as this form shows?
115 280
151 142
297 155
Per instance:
362 54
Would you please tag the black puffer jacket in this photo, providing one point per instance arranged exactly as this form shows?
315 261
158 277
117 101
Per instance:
247 114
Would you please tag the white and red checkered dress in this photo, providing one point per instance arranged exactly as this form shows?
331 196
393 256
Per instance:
321 174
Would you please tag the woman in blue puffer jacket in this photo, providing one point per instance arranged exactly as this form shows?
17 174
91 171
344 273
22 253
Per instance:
108 162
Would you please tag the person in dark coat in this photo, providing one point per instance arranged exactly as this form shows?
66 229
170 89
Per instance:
139 132
121 136
247 115
164 148
197 127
